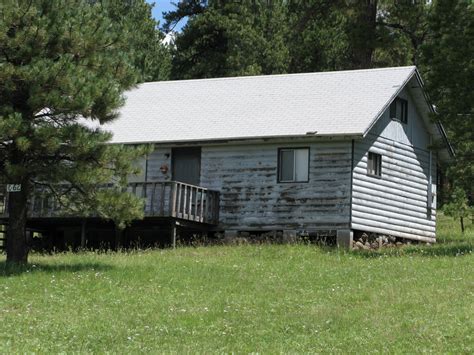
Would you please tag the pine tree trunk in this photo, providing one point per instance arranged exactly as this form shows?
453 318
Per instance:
462 224
17 243
364 34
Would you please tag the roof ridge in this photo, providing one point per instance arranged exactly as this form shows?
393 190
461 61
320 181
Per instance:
248 77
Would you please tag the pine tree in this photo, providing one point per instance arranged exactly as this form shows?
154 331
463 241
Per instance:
149 56
318 40
448 69
458 206
362 32
63 67
404 28
229 39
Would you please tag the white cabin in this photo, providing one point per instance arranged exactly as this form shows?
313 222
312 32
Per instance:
329 153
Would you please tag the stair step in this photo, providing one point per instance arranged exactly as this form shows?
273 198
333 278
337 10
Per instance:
3 237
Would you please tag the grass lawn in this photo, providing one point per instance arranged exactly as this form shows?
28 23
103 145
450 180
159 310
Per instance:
269 298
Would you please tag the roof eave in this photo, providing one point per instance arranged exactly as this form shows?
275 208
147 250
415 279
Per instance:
384 108
305 137
438 124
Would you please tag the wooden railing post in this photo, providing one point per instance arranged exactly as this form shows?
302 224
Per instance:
180 192
173 195
208 203
162 199
201 207
5 203
190 203
185 201
213 208
152 200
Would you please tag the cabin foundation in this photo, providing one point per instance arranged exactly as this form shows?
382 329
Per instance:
344 238
231 234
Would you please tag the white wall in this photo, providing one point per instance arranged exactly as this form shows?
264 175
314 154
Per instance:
396 203
414 133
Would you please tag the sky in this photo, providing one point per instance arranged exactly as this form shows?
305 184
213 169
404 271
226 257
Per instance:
163 6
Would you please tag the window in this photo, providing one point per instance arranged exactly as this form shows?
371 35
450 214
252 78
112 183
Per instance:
293 165
399 110
374 164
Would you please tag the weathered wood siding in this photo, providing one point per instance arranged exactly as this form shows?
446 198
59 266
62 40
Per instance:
150 167
160 157
396 203
252 198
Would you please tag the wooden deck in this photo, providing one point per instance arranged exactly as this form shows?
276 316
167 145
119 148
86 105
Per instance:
164 199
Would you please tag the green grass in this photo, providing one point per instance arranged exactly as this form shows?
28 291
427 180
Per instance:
269 298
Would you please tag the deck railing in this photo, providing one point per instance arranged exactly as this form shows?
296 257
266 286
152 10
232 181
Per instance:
162 199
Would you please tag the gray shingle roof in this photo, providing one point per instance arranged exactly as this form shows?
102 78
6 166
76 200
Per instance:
331 103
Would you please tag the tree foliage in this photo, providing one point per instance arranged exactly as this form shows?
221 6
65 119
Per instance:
458 206
63 68
228 39
448 66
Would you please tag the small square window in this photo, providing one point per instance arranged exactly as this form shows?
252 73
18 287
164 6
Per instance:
399 110
293 165
374 164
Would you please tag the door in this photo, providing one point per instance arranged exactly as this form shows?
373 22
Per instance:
186 165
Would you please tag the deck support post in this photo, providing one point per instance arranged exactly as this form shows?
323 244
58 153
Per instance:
83 234
29 237
118 238
289 236
344 238
230 234
173 234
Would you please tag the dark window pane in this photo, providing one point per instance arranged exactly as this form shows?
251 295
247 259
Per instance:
287 164
399 110
378 167
370 164
393 109
374 164
404 111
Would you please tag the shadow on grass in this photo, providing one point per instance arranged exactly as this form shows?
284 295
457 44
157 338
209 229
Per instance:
442 249
12 270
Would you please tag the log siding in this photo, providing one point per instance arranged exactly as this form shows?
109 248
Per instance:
397 202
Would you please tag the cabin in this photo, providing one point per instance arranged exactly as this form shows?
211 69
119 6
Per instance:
331 153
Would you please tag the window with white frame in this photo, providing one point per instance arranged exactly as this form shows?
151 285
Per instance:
293 165
374 164
399 110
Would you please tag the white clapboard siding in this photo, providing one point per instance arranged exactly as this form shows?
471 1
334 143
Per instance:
252 198
396 203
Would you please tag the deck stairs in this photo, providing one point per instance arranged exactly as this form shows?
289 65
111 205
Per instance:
3 237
